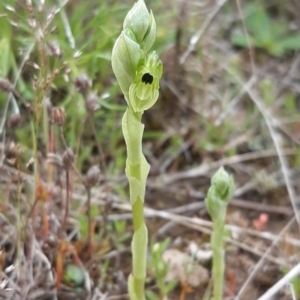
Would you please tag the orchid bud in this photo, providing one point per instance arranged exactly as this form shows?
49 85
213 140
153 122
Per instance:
224 184
143 92
219 194
142 25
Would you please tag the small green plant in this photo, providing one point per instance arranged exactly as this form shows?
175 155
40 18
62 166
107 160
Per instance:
122 235
159 269
138 72
270 34
218 197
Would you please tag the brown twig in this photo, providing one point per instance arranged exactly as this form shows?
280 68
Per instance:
67 201
88 190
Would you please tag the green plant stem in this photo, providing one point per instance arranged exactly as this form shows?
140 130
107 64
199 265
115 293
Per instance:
218 259
137 170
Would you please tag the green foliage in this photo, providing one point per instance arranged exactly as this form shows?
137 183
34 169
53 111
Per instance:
159 270
7 57
121 234
265 32
216 136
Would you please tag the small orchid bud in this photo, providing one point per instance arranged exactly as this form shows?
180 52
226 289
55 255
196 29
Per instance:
126 55
143 92
219 194
224 184
142 25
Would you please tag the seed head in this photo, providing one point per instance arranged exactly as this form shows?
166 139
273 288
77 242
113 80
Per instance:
14 121
83 83
91 102
58 116
11 152
53 49
54 159
93 176
68 158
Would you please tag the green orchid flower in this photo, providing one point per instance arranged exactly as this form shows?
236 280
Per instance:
143 92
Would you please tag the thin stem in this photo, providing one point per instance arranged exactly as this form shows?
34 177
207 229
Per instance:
88 190
100 150
218 259
105 216
50 167
66 148
67 201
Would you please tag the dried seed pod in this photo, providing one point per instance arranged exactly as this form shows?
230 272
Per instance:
92 176
68 158
53 49
56 193
55 159
6 85
58 116
11 152
91 102
14 121
83 83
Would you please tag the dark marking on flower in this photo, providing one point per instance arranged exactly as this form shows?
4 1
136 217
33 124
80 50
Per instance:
147 78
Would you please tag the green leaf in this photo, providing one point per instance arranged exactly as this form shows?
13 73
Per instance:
258 24
291 42
83 224
275 49
170 286
290 104
151 295
239 39
120 226
95 211
5 57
